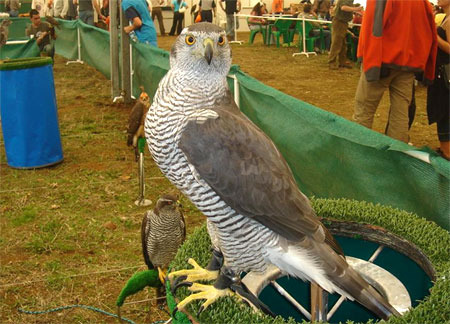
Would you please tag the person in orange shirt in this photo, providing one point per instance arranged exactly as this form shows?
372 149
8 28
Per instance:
277 6
397 39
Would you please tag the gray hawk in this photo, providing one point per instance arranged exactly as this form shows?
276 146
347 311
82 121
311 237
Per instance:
236 176
4 31
163 231
136 120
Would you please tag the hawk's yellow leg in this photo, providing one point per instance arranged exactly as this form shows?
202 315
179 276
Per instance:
196 274
207 292
162 274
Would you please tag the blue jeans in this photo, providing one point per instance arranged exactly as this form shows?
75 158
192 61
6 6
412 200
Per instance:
326 38
230 25
87 16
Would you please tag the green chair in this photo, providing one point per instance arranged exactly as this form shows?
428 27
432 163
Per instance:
262 29
280 27
309 40
352 44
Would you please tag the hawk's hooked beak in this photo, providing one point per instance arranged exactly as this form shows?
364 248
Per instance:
208 45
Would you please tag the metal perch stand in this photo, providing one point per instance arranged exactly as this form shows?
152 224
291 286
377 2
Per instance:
141 201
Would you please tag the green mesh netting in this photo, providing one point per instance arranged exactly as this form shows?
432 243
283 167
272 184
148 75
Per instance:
11 51
330 156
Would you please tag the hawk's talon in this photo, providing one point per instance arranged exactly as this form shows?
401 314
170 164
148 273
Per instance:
195 274
162 275
181 284
208 292
200 310
176 283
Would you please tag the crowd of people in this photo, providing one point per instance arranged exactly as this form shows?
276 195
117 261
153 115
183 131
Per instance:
391 60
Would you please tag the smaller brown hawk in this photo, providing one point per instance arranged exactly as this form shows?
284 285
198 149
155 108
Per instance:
163 231
136 121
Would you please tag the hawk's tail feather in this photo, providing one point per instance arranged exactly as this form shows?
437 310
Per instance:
130 139
365 294
317 262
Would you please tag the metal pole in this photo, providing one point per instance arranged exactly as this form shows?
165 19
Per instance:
114 50
304 52
78 60
125 66
131 72
141 201
304 36
236 91
235 41
319 303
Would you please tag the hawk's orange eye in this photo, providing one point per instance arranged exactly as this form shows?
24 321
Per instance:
221 40
190 40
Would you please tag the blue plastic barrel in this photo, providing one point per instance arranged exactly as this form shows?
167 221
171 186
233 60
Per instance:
28 111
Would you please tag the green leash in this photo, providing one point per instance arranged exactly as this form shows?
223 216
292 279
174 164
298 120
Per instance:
135 284
58 309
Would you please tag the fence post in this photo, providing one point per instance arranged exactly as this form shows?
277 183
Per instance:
114 50
78 60
125 48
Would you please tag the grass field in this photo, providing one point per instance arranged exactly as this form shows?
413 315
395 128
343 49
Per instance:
70 234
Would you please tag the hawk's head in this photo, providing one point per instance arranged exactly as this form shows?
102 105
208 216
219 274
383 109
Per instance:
202 48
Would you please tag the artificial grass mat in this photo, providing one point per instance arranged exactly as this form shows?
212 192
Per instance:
433 240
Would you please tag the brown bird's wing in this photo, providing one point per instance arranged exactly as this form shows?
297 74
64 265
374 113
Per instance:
53 21
144 237
183 223
134 121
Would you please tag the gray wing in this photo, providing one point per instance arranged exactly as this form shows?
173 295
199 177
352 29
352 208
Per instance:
134 121
247 171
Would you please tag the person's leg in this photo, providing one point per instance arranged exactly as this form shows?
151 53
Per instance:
327 39
174 24
400 93
315 33
229 29
49 50
343 51
82 16
207 16
90 17
337 37
158 13
180 23
367 98
443 131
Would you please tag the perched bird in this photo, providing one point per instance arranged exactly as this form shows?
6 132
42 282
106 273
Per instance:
163 231
136 121
234 174
4 30
52 21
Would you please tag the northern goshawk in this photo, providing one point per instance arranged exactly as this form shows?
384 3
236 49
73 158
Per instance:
236 176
